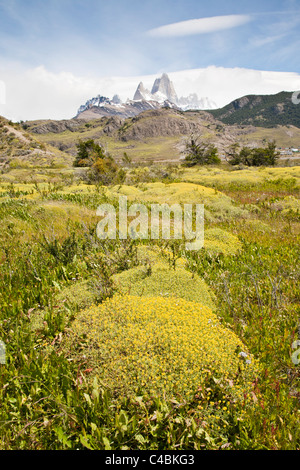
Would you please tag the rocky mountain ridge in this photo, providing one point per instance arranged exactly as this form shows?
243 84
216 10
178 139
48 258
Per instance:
162 95
146 128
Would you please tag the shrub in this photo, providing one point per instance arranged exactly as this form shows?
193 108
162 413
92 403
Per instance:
253 156
161 280
220 241
217 205
88 152
164 346
102 167
200 153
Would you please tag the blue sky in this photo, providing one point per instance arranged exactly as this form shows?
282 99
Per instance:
97 38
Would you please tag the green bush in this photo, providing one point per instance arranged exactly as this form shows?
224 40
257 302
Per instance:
200 153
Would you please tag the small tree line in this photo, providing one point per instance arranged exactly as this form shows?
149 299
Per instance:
258 156
201 153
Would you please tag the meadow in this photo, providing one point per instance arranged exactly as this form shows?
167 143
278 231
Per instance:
140 344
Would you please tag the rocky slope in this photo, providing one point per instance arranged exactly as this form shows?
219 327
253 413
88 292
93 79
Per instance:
143 129
156 134
20 149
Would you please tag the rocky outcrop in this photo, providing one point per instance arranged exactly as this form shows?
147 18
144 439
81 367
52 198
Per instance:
116 99
164 122
55 127
162 90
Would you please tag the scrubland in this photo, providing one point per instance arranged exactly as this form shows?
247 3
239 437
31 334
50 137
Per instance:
142 344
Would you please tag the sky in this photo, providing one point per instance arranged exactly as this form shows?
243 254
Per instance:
56 54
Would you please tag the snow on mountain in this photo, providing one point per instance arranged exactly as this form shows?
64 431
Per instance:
162 94
163 89
193 102
142 93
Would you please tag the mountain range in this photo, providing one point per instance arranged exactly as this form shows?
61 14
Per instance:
162 94
153 126
254 110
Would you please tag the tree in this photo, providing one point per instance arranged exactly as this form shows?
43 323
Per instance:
101 166
200 153
88 152
253 156
270 155
126 158
232 154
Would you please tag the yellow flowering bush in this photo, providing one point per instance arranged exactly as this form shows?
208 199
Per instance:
153 254
289 204
161 280
253 175
62 211
165 346
148 254
217 240
257 225
79 294
217 205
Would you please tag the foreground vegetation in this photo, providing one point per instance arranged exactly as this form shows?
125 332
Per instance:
90 365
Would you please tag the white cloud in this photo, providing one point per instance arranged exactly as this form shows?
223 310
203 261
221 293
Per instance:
39 94
199 26
263 40
223 85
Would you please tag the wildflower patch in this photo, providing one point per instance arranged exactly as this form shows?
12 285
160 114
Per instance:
166 346
161 280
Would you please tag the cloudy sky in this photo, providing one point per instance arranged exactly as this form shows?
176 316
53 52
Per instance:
56 54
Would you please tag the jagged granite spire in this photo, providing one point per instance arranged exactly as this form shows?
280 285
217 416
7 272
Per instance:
162 90
162 94
142 93
164 87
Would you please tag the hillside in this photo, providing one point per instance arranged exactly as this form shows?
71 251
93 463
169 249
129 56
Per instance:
260 111
143 343
20 149
156 135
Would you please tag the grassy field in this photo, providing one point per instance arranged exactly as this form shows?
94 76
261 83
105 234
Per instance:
137 344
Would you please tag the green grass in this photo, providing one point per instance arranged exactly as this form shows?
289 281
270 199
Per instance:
53 267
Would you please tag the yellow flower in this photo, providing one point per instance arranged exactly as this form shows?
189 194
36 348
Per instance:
169 345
